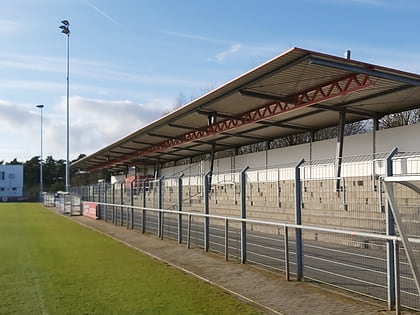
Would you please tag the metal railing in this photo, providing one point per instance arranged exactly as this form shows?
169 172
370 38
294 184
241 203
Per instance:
49 200
355 261
304 194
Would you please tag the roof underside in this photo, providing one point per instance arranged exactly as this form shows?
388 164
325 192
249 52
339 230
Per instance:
297 91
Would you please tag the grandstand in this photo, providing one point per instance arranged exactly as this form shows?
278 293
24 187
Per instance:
189 160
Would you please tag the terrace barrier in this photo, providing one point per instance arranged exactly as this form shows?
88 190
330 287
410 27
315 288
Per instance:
340 231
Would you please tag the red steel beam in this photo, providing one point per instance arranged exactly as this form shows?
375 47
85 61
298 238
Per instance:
324 92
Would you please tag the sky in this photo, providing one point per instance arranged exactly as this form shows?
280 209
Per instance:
132 61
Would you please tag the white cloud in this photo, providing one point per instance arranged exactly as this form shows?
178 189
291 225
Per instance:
7 27
262 52
233 49
30 85
383 4
20 128
14 115
101 12
88 69
94 123
372 2
29 62
194 37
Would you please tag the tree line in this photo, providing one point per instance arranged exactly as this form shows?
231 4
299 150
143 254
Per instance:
54 173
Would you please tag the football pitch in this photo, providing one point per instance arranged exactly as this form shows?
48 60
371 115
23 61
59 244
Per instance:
51 265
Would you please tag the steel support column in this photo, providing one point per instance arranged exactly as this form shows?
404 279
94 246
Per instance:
213 149
375 128
339 149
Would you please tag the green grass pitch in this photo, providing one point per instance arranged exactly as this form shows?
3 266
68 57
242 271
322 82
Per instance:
50 265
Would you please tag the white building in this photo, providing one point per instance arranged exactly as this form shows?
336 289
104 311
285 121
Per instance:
11 182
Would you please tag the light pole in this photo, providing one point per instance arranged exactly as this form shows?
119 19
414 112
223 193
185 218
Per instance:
65 29
41 182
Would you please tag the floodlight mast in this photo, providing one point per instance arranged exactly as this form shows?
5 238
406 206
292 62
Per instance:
65 29
41 181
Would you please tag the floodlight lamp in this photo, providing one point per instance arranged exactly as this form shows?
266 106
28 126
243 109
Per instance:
65 29
40 106
211 118
65 22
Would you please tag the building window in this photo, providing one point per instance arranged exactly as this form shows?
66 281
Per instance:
1 188
2 175
14 188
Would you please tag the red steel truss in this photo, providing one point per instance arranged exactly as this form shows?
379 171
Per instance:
327 91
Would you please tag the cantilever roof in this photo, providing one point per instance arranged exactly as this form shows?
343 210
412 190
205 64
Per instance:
297 91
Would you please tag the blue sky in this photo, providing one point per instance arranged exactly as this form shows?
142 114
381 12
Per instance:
130 61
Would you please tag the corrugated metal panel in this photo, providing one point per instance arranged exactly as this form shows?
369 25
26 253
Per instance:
285 75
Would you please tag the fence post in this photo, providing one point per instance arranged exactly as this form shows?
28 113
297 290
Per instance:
286 252
206 210
143 215
106 201
132 203
226 239
180 209
397 276
103 191
113 202
298 221
160 206
189 232
93 193
243 213
390 230
99 192
121 203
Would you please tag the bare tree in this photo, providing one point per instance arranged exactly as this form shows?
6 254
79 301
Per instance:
401 119
180 101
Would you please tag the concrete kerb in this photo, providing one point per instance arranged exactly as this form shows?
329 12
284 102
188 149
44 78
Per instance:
290 297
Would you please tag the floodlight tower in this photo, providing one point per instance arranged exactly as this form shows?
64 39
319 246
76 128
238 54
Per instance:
41 182
65 29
